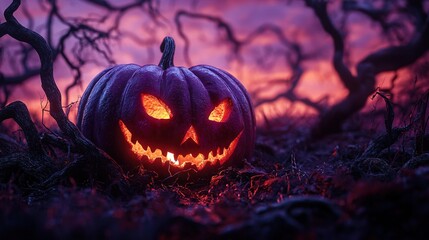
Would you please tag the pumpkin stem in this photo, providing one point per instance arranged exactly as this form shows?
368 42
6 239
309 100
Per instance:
167 48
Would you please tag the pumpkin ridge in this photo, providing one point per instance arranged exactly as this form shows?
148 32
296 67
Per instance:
108 104
246 95
110 84
84 98
149 68
188 87
201 70
245 108
222 74
193 81
224 82
93 102
237 83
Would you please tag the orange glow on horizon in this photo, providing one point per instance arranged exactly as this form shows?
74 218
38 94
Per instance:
260 61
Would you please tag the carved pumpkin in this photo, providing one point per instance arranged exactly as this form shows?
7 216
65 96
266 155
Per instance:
168 118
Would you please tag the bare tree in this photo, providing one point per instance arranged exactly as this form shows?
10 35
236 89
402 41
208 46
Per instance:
407 45
293 55
392 58
80 35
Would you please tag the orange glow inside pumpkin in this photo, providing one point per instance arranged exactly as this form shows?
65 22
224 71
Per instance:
221 155
155 108
190 134
222 111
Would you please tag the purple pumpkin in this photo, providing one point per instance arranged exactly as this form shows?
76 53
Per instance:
168 118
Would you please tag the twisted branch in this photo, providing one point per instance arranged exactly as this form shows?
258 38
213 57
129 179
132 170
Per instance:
294 59
360 87
95 157
81 33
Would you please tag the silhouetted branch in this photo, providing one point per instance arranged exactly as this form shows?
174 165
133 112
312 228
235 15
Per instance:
19 113
320 9
391 15
392 133
220 23
393 58
121 7
79 35
6 92
36 163
294 57
108 169
361 87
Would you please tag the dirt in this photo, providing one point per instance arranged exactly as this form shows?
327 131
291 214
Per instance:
292 188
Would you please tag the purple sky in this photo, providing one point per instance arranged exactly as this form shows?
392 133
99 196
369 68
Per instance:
298 23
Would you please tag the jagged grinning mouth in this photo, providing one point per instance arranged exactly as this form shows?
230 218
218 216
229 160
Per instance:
180 161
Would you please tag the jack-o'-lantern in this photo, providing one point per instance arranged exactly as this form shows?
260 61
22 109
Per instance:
168 118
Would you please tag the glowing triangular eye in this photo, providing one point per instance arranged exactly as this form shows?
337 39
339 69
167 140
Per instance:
222 111
156 108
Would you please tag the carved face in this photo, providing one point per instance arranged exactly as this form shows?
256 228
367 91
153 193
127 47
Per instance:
174 118
190 148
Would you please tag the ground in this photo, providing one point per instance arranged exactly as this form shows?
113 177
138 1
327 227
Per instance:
293 187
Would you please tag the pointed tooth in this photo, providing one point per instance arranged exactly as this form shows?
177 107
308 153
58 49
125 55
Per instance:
137 144
180 158
218 151
211 155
